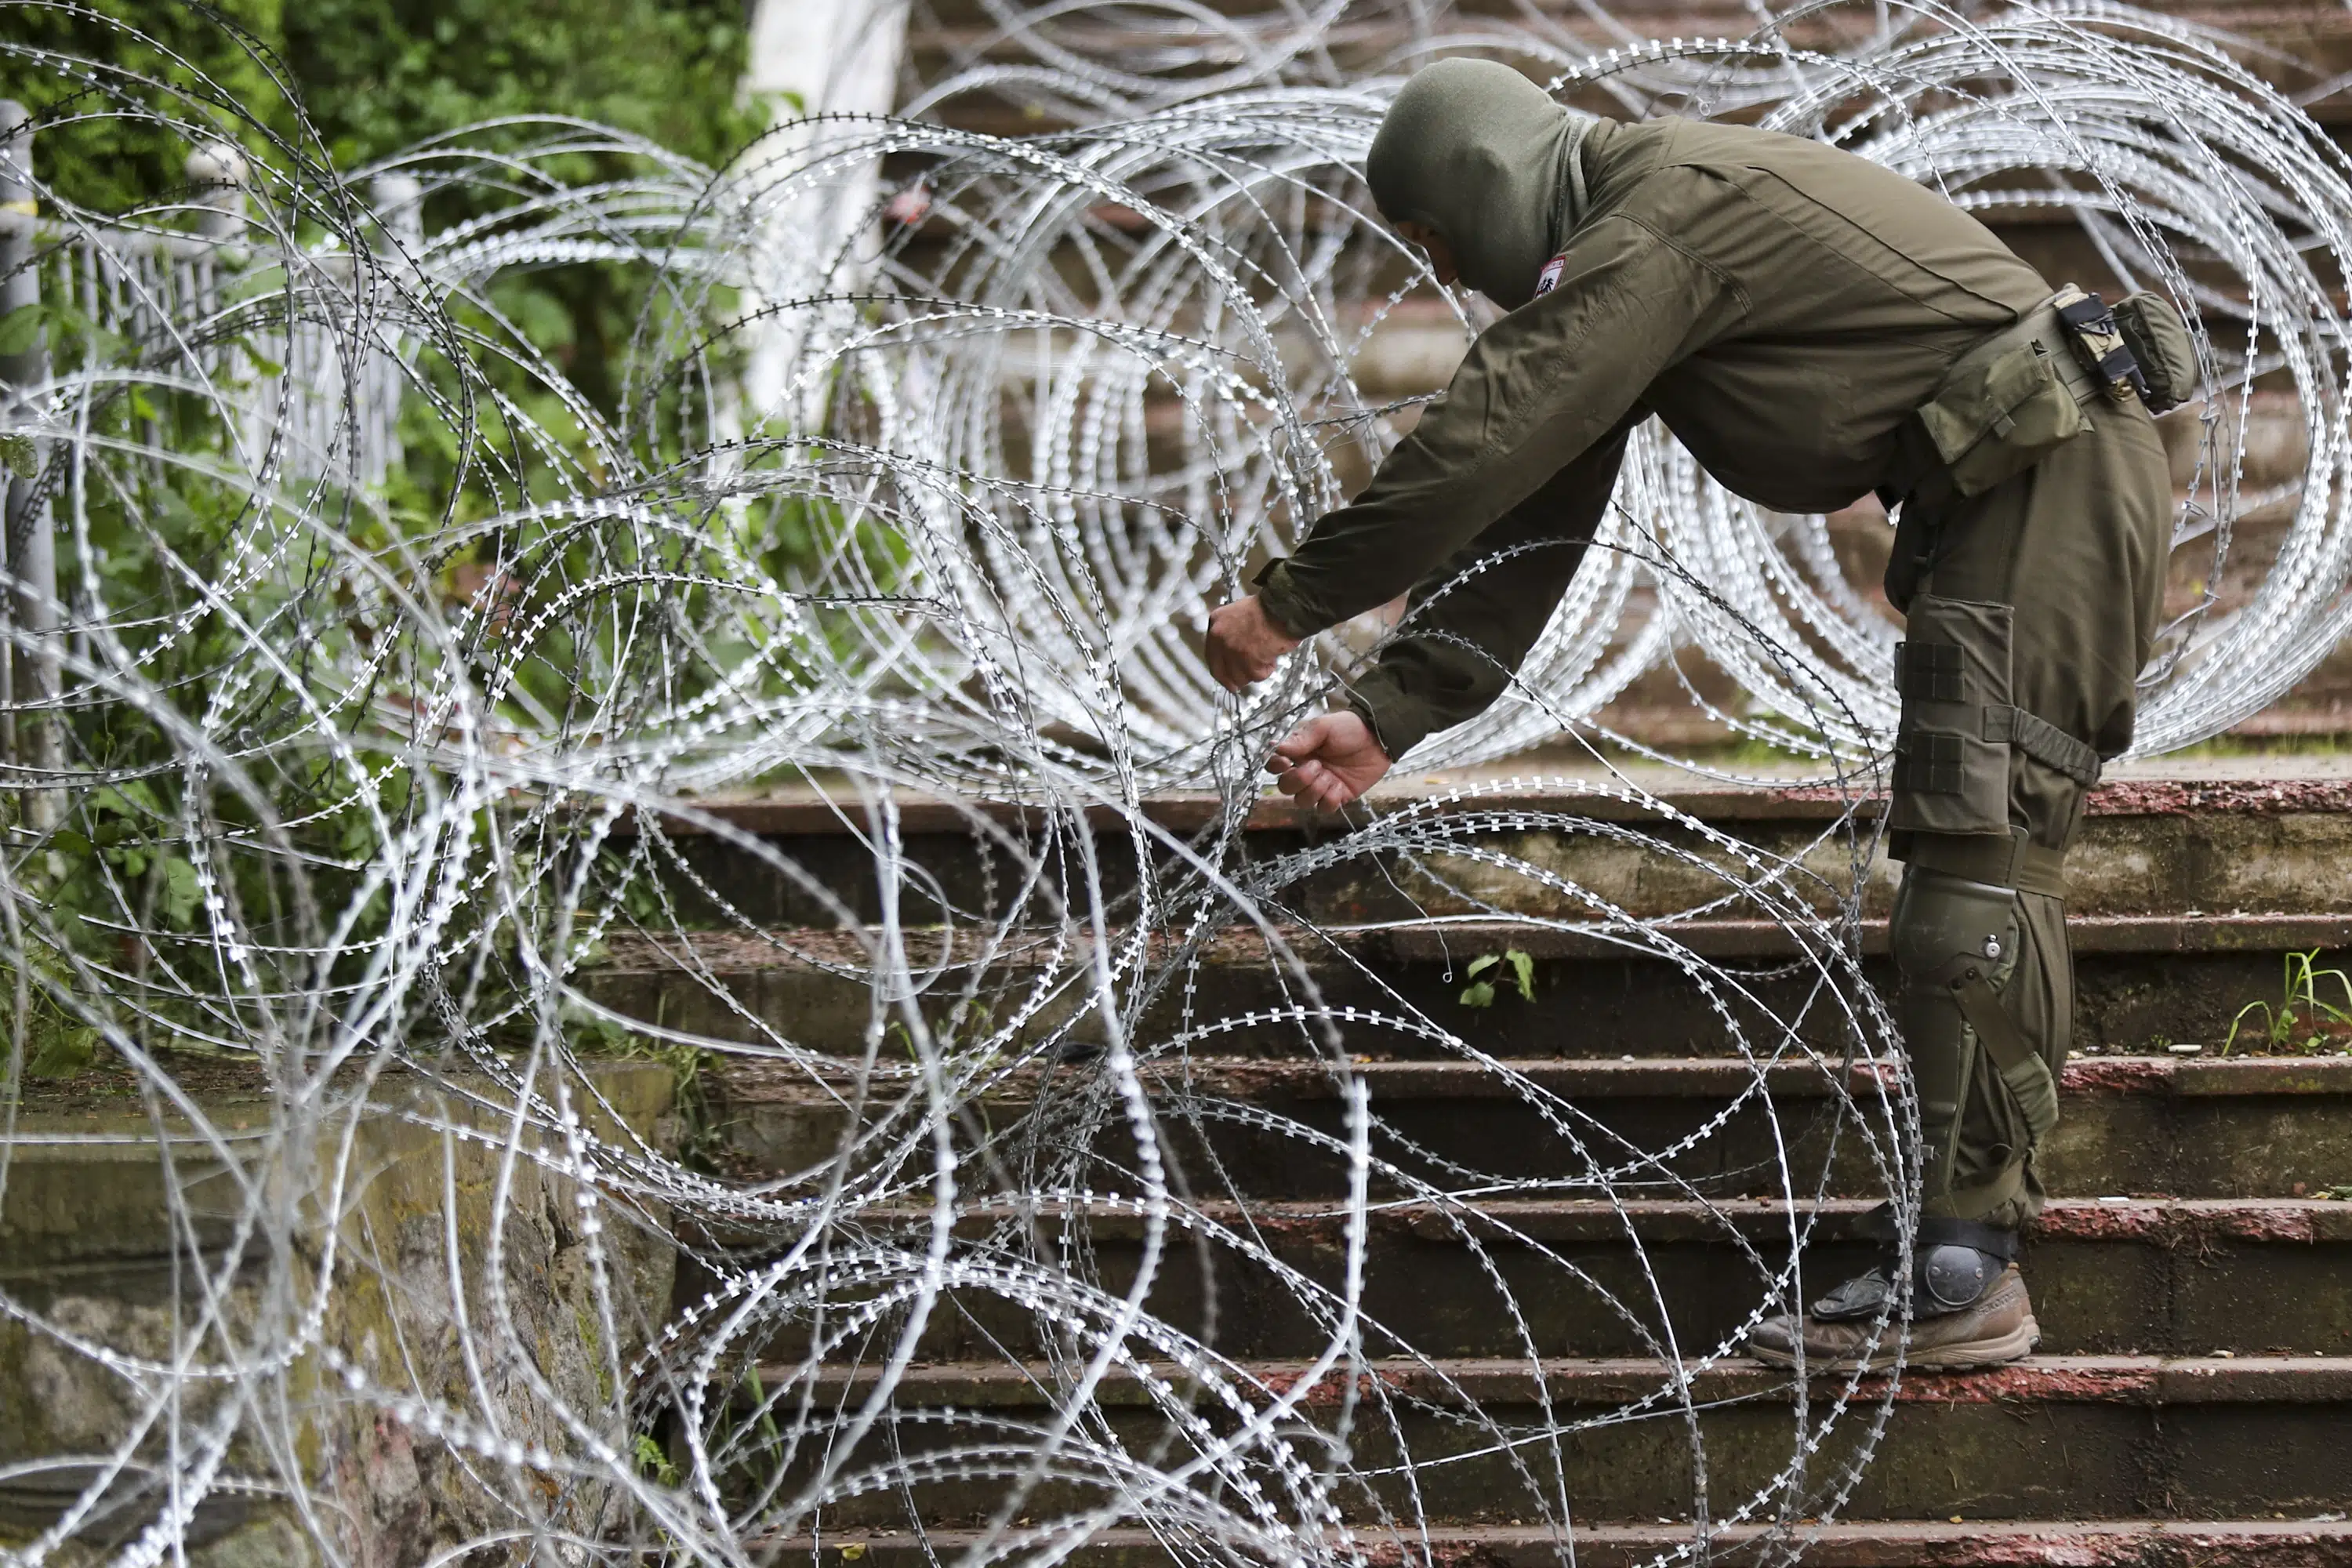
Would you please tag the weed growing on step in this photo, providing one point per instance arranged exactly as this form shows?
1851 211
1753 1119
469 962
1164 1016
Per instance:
1481 992
701 1139
653 1462
2300 1020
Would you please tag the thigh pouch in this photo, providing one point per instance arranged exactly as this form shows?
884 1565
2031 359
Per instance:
1952 752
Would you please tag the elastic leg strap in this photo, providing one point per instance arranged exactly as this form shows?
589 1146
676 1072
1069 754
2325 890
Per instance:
1990 1197
1935 1232
1878 1226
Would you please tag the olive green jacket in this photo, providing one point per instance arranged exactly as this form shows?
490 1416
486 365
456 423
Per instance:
1780 304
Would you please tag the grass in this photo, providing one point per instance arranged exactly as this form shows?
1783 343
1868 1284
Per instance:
2299 1021
654 1462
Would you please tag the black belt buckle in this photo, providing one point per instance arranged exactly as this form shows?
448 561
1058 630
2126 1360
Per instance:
2099 343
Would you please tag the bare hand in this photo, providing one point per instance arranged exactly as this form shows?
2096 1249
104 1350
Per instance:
1328 761
1244 644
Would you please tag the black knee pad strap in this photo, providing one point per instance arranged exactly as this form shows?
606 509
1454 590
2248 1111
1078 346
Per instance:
2001 1244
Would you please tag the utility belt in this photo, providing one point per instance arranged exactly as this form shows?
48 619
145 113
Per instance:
2003 406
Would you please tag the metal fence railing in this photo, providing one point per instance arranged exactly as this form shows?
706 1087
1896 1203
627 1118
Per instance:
30 678
310 391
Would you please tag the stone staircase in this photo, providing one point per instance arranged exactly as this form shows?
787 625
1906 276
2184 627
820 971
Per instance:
2195 1373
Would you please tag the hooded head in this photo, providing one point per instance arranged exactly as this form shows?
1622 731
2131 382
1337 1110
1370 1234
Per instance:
1484 157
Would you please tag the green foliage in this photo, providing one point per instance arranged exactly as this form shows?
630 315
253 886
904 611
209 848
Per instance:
376 75
770 1435
1481 992
2299 1019
20 329
94 155
57 1044
653 1462
370 76
373 77
57 1041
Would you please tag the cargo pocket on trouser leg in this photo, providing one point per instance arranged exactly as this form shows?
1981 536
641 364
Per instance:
1952 668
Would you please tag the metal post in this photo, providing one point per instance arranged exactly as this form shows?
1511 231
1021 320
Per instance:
216 172
398 199
32 548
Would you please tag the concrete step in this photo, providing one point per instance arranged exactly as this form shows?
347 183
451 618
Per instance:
2148 846
1514 1277
2140 979
2223 1128
1956 1542
2077 1438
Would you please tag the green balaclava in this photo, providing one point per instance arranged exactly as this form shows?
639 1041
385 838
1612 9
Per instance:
1484 157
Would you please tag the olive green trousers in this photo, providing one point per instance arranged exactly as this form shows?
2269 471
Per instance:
2038 598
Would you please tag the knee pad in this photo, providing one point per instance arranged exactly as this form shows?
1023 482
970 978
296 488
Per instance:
1940 919
1946 932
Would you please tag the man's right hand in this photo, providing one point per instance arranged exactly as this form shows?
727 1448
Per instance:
1328 761
1245 643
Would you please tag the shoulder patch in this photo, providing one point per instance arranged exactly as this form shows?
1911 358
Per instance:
1549 278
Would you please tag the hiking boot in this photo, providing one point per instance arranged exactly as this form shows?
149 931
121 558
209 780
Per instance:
1996 1328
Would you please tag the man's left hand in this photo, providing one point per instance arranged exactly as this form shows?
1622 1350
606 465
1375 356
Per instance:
1244 644
1328 761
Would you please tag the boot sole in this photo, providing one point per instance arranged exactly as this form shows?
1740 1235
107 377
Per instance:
1967 1355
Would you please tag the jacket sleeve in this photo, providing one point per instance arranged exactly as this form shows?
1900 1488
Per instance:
1472 619
1539 388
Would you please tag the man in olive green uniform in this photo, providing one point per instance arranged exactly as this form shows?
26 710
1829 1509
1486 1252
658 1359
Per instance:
1813 328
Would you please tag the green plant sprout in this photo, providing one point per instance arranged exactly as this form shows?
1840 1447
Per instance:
764 1418
2300 1017
1481 992
653 1462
